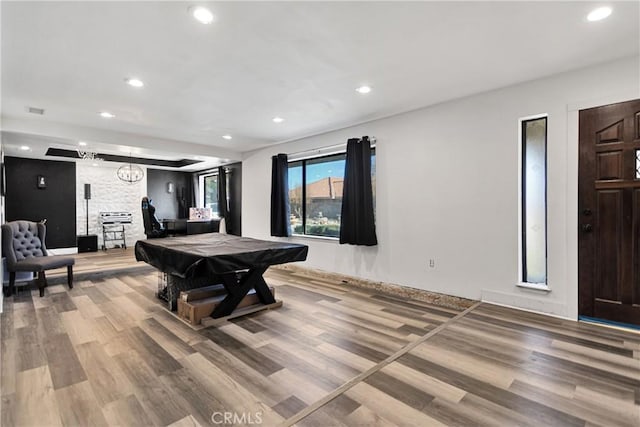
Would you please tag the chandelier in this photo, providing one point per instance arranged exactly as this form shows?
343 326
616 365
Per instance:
130 173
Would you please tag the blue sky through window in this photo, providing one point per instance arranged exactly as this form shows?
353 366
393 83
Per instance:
316 172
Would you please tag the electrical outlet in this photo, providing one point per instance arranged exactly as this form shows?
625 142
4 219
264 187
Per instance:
432 263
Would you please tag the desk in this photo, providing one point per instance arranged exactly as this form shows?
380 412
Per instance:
187 226
221 256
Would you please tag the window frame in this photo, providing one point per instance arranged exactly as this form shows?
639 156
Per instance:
522 241
303 163
201 191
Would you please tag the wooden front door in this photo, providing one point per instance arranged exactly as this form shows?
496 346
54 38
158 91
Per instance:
609 213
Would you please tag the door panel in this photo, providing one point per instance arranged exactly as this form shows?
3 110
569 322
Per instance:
612 133
607 281
609 213
609 165
634 296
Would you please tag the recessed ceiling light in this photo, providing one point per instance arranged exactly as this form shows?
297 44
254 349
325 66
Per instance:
227 136
363 89
82 144
133 82
24 147
599 14
202 14
278 120
107 115
94 164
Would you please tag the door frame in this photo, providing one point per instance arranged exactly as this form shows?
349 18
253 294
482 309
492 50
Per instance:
573 154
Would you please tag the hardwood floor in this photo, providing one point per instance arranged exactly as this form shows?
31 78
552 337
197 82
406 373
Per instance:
109 261
108 353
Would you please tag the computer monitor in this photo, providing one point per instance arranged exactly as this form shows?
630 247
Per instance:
199 213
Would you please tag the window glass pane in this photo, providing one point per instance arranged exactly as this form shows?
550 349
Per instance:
324 181
315 194
211 193
373 178
534 183
295 197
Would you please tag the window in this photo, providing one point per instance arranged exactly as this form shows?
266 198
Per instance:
315 194
534 200
209 192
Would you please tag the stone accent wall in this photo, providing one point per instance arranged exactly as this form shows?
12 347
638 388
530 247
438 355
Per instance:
108 193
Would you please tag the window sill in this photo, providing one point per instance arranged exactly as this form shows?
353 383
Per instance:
309 236
534 286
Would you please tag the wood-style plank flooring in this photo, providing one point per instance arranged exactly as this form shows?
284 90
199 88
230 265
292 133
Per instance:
108 353
110 261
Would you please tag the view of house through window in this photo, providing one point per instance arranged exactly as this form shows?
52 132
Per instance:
534 201
315 194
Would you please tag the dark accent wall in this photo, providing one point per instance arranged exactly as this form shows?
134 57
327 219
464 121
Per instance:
235 199
168 205
56 203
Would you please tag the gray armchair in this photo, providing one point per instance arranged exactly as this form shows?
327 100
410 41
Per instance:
23 246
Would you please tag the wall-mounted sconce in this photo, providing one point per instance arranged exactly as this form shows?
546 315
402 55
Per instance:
169 187
42 182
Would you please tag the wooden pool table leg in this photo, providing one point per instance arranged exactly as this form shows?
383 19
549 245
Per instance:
238 289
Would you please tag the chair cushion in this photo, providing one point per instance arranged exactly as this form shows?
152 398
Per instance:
43 263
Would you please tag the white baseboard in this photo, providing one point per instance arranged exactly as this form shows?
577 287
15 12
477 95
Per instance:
525 303
62 251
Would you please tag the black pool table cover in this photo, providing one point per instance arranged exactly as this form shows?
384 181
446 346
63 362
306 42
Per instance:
215 254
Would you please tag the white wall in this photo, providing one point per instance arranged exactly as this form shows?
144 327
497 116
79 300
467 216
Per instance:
447 189
108 193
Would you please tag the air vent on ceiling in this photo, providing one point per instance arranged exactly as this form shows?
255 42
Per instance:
34 110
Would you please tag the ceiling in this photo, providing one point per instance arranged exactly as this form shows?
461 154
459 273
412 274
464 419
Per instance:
298 60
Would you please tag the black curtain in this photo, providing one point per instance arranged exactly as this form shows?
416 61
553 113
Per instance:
195 191
280 196
223 209
357 222
183 196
